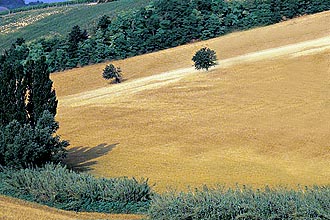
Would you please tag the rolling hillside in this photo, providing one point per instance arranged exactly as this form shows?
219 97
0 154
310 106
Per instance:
58 20
259 117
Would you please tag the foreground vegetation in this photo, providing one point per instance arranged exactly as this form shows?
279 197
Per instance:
243 203
21 209
56 186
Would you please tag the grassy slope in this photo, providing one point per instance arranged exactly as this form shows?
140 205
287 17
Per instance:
14 209
252 123
46 22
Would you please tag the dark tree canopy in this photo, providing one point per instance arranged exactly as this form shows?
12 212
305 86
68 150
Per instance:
75 37
104 22
22 145
162 24
111 72
41 95
204 59
27 111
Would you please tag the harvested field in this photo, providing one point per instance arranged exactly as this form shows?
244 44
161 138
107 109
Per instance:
260 117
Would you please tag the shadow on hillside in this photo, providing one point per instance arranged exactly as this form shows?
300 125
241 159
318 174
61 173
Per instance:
82 158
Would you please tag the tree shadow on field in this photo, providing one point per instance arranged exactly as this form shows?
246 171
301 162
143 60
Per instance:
81 158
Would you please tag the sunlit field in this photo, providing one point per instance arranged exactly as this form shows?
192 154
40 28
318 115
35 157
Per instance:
261 117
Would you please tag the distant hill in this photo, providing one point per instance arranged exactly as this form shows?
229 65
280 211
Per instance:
58 20
12 3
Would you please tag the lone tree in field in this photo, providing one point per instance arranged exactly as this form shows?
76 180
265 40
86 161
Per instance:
204 58
111 72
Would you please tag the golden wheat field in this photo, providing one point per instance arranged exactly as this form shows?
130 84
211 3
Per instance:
260 117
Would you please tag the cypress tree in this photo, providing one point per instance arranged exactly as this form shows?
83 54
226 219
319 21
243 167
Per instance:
40 95
12 90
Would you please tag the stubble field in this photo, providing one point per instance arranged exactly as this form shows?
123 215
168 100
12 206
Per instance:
260 117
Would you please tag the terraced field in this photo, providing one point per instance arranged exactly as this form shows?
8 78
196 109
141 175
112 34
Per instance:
260 117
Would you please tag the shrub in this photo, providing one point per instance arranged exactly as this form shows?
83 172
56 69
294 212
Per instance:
56 186
243 203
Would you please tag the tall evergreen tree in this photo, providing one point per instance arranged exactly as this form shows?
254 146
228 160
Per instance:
85 52
12 93
101 50
75 37
103 23
13 84
40 95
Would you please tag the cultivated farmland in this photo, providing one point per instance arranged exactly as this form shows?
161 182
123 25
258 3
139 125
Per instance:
260 117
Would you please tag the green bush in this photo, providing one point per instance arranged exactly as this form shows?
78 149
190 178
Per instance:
243 203
56 186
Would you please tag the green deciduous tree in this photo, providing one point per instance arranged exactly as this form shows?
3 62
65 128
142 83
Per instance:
204 58
22 145
111 72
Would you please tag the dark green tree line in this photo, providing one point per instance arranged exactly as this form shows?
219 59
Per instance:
164 24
